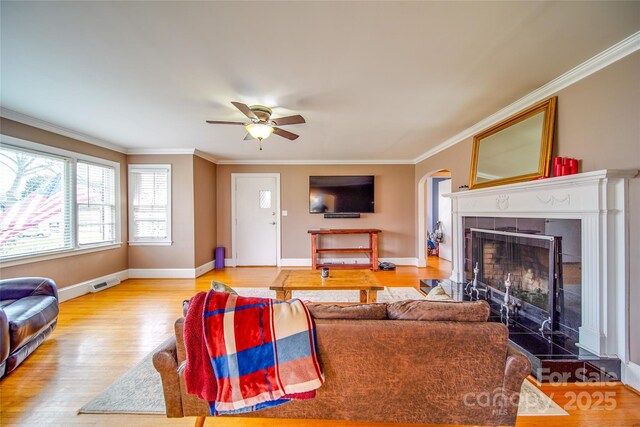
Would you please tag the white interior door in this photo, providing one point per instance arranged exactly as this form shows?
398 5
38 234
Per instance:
444 216
255 231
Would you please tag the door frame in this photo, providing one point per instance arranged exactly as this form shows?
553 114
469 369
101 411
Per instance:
424 205
234 180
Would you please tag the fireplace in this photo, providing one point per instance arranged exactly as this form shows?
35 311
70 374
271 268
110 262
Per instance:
534 263
530 262
591 277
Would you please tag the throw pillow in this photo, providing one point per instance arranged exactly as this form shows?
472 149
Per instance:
216 286
221 287
438 294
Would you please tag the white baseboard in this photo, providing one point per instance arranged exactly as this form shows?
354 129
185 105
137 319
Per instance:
79 289
204 268
402 261
162 273
631 374
228 262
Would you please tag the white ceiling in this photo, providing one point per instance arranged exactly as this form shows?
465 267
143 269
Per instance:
374 80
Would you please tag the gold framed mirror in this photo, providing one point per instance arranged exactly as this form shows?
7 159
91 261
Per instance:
516 149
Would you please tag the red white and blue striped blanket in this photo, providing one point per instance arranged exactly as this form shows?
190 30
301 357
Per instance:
263 352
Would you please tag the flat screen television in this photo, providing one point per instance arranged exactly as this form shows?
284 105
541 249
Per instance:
341 194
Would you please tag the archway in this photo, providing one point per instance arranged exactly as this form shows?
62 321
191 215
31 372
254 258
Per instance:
426 209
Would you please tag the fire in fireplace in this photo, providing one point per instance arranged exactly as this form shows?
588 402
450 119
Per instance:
534 263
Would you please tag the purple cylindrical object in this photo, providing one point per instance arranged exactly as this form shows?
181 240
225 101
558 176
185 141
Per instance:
219 257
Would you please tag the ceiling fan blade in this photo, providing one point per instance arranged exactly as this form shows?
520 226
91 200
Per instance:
222 122
248 137
245 110
285 134
290 120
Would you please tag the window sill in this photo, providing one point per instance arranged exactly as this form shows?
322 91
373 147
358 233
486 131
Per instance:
150 243
27 259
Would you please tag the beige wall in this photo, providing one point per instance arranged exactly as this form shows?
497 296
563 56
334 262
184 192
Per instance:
598 122
73 269
180 254
204 188
394 209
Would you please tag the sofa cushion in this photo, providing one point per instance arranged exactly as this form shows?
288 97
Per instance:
477 311
356 311
28 317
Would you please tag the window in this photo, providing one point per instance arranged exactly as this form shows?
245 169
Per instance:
54 201
150 204
265 199
95 196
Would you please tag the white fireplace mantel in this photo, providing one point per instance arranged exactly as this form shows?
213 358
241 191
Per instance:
599 199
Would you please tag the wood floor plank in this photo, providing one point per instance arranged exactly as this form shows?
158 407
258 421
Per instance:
100 336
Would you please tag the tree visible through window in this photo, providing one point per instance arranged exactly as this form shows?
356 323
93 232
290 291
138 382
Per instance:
34 203
38 213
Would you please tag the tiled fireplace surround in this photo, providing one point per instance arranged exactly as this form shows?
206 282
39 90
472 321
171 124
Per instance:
599 200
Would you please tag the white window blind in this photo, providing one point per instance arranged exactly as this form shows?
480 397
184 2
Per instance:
150 203
35 202
54 201
96 204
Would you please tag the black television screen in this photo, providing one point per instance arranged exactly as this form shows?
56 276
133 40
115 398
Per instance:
341 194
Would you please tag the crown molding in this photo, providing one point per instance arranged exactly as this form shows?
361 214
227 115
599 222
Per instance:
316 162
205 156
170 151
159 151
596 63
50 127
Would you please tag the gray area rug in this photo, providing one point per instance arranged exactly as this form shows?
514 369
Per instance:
139 390
534 402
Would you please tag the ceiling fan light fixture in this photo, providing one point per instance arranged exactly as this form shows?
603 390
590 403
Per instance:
259 131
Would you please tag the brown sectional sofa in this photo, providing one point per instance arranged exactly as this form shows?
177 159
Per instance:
381 364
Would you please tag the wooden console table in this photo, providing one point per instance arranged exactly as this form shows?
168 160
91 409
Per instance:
372 250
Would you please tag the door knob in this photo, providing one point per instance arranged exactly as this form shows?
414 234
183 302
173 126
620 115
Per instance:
273 223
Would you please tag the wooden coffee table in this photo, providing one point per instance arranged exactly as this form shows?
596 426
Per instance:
338 280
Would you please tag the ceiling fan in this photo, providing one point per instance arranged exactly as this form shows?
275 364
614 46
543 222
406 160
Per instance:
262 125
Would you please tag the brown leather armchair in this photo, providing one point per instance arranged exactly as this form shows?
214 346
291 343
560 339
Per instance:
28 315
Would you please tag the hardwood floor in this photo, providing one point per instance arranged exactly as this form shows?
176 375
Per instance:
100 336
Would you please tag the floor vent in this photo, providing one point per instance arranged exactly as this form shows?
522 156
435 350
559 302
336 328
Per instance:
97 287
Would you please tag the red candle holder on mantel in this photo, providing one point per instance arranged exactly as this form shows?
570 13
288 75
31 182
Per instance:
563 166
